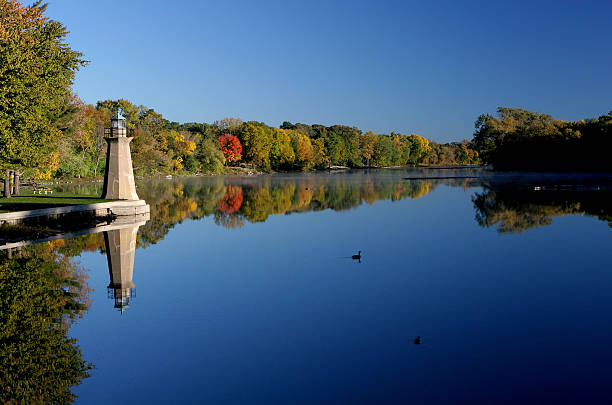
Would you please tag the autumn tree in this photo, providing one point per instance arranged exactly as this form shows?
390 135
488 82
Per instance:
320 159
176 148
129 110
37 68
229 125
82 148
402 146
257 139
304 153
419 149
159 146
231 147
282 154
367 142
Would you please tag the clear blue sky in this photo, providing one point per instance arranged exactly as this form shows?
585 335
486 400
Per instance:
429 67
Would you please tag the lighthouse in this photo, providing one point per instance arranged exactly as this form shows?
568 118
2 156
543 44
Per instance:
119 176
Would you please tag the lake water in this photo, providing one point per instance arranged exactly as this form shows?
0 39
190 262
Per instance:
243 290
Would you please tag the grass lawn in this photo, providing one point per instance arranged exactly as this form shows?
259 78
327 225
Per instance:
28 201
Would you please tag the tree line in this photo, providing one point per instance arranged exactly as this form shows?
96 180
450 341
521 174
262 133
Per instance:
517 139
162 147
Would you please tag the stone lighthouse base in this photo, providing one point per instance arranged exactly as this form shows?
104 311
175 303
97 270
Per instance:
119 177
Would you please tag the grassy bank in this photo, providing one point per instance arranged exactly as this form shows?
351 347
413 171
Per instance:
29 201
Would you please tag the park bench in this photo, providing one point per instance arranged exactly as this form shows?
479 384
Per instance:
40 189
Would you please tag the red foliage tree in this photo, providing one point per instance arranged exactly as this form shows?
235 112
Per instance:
232 200
231 147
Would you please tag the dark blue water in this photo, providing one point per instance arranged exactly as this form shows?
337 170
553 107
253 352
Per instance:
276 311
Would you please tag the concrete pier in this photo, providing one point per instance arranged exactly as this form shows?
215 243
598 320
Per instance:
90 211
121 222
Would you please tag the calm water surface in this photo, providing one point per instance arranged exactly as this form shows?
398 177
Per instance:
242 290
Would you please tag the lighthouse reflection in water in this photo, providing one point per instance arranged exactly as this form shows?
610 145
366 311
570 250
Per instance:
120 250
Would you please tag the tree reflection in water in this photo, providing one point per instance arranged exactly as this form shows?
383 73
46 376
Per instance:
42 292
233 201
508 201
516 211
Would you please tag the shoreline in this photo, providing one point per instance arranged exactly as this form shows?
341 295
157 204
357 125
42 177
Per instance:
337 169
253 172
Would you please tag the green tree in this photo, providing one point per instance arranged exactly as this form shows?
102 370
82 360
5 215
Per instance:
209 156
37 68
522 139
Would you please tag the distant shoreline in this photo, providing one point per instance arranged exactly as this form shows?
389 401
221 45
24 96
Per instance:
244 172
